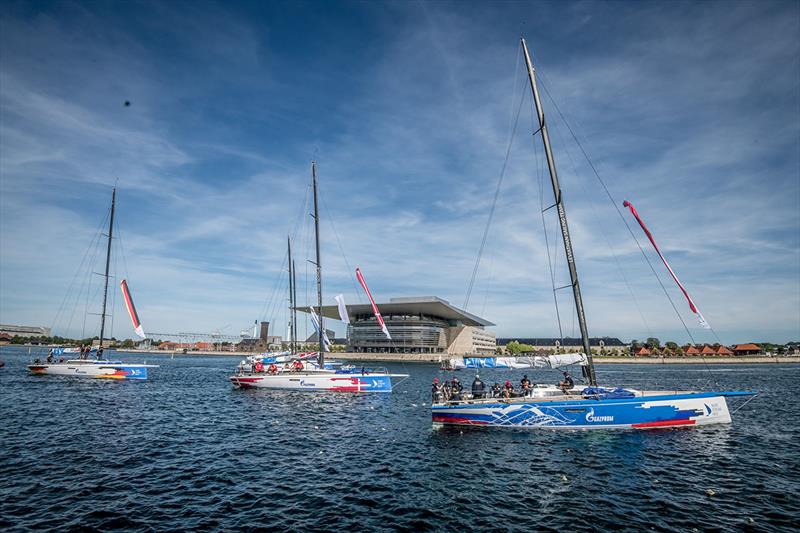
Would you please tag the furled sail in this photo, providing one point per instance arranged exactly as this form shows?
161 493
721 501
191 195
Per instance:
692 306
534 361
137 325
320 334
378 316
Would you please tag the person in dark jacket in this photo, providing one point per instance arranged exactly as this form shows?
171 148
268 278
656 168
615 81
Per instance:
478 387
567 383
436 391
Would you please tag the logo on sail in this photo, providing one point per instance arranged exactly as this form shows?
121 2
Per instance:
590 417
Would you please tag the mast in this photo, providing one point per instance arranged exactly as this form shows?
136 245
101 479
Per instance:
588 371
321 332
294 306
108 264
291 298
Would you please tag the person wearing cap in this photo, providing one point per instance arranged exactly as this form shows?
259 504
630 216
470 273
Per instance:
508 390
436 391
567 383
477 387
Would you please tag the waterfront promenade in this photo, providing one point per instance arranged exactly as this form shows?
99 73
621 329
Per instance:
434 358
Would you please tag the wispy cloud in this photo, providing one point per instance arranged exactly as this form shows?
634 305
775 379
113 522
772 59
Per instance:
408 112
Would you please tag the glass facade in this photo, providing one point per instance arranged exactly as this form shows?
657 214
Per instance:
410 334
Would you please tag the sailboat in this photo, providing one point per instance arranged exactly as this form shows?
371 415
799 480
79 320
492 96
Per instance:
304 374
96 368
592 407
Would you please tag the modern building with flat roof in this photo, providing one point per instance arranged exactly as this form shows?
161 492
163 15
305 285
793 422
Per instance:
424 324
25 331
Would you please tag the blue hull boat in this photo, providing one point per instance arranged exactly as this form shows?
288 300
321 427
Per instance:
645 410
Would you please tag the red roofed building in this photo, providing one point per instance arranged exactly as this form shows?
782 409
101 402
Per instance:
707 350
642 351
747 349
723 350
691 350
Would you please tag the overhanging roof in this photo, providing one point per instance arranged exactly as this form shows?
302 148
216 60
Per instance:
424 305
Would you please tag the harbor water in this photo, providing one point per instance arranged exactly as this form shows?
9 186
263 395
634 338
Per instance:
185 450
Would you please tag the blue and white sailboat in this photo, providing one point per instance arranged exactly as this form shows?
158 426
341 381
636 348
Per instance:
592 407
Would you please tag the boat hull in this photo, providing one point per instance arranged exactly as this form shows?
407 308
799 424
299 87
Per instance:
649 412
93 369
315 381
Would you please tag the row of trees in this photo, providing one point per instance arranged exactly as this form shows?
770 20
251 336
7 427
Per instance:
16 339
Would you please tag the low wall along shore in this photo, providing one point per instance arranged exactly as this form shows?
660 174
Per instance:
434 358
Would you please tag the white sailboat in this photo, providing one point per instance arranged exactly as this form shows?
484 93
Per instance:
96 368
304 374
592 407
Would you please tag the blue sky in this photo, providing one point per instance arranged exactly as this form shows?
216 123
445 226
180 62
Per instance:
690 111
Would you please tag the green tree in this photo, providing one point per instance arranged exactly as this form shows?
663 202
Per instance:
653 342
514 347
671 345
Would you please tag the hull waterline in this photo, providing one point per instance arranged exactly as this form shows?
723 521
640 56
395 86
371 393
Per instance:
317 381
650 411
93 369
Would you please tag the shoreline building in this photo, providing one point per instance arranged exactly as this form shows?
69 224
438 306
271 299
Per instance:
568 344
425 324
24 331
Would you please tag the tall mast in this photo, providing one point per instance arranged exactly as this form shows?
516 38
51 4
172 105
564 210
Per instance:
294 305
108 264
321 334
588 371
291 298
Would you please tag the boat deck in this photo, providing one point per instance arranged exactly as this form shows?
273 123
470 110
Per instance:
540 396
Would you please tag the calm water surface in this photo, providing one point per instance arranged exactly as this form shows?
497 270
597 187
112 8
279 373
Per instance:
185 450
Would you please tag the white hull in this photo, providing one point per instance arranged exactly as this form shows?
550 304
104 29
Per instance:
317 381
93 369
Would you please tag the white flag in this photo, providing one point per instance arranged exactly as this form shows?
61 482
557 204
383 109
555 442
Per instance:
342 308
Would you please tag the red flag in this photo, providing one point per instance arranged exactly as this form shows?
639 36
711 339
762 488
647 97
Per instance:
693 307
378 316
137 325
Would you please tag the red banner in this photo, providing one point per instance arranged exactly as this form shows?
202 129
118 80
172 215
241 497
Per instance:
378 316
693 307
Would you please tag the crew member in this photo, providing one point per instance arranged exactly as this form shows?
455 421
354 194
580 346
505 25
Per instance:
567 383
477 387
456 388
436 391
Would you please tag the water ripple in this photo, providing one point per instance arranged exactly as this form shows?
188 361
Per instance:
186 451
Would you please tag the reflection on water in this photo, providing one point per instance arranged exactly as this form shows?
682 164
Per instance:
185 450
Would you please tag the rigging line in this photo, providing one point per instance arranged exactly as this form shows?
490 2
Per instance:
539 175
494 204
616 207
268 301
61 307
114 293
625 221
599 223
350 271
87 280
